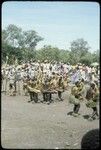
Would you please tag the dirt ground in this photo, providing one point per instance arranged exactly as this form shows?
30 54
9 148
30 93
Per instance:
38 125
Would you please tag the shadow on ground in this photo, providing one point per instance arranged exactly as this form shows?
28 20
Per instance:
85 116
70 113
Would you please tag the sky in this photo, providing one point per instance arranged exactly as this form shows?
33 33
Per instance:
59 23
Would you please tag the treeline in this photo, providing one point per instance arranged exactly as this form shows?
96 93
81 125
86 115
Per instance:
21 45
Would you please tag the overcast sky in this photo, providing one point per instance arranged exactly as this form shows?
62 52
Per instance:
59 23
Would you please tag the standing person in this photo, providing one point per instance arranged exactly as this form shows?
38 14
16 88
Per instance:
18 81
81 88
62 69
32 90
60 88
83 72
12 84
38 89
87 78
92 97
2 79
76 75
65 68
66 81
53 67
15 85
53 81
45 66
75 98
7 73
53 84
46 90
25 82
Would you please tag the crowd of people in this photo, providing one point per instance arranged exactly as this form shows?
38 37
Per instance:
50 78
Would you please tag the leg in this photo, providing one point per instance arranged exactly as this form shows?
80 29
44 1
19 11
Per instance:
24 89
26 92
6 86
31 96
15 86
60 95
50 98
2 85
35 97
10 89
95 113
44 96
19 87
76 110
47 97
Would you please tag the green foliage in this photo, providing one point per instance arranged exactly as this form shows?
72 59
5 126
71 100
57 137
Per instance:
79 48
48 53
64 56
11 52
13 34
20 45
31 39
87 59
18 38
96 56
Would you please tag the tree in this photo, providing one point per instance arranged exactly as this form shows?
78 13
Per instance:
18 38
48 52
87 59
79 48
4 37
31 39
95 56
22 43
14 34
11 52
64 56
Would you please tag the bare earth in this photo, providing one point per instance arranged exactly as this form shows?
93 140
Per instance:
29 125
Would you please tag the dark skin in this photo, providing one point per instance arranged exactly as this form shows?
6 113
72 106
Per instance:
59 92
93 92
